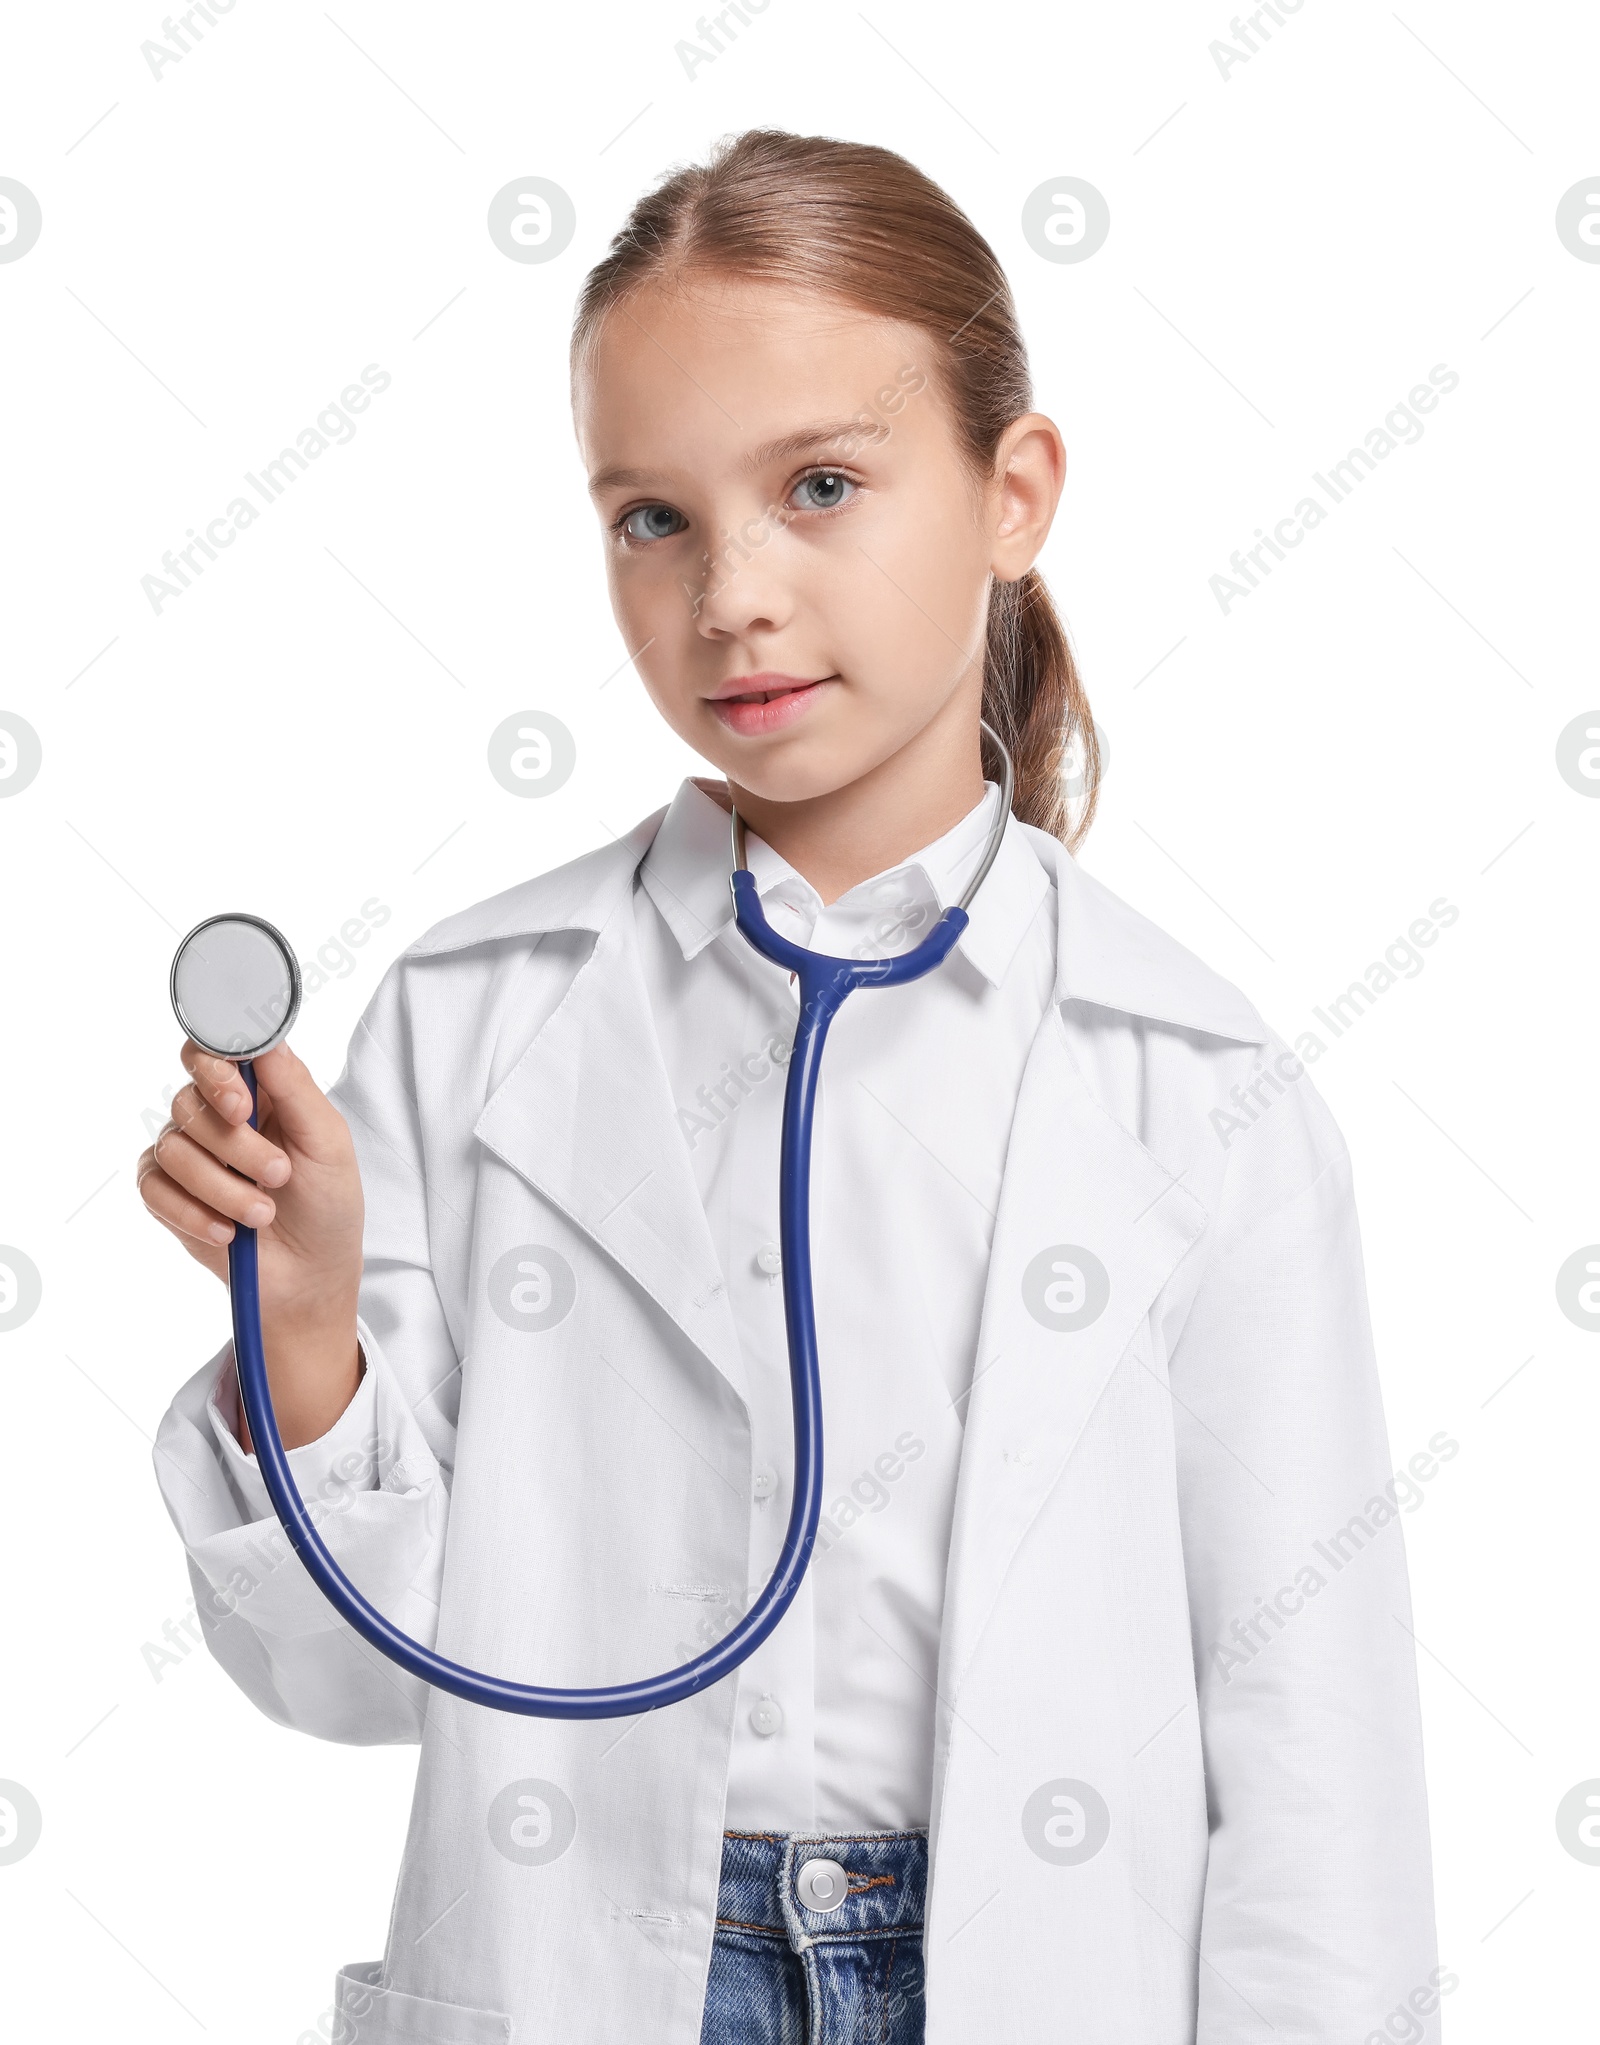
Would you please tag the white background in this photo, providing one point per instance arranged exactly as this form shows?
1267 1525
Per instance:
1292 249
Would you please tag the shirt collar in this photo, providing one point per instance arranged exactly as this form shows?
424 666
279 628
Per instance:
685 874
1107 953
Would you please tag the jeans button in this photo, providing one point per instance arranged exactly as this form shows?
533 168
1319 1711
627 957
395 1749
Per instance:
822 1885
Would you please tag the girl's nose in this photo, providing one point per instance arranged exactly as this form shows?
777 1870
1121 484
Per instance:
739 586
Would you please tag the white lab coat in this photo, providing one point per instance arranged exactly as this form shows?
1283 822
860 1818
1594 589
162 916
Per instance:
1135 1495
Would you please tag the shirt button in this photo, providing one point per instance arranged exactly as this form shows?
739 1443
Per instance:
766 1717
822 1886
764 1484
769 1258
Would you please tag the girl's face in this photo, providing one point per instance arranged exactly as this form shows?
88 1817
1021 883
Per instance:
797 557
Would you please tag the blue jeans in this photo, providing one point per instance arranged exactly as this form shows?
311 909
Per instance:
785 1971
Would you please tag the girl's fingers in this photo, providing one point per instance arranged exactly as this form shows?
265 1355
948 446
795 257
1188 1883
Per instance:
218 1082
236 1143
305 1119
304 1116
196 1171
177 1210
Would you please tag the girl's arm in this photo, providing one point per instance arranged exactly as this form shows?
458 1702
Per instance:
381 1471
1318 1913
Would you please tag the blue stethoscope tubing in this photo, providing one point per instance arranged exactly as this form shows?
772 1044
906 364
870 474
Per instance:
824 984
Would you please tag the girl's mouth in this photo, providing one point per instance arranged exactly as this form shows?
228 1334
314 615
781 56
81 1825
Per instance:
757 704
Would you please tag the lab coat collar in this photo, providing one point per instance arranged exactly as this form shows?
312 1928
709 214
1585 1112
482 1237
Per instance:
1107 954
1111 956
685 873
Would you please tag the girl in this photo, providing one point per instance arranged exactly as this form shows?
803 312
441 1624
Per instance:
1096 1716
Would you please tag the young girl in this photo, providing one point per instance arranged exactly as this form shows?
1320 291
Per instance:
1095 1718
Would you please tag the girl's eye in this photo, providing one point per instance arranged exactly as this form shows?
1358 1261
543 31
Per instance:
655 520
827 488
822 490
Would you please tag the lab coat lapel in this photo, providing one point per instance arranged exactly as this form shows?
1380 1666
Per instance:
586 1116
1077 1179
1090 1226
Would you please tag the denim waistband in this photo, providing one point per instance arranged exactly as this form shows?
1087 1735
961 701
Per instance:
886 1883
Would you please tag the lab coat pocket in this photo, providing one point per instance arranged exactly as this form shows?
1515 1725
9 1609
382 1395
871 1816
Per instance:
366 2013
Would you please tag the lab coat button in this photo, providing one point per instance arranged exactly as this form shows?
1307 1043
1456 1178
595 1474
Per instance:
769 1258
764 1483
766 1717
822 1886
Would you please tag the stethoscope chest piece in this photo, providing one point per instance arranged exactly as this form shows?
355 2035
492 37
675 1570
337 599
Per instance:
236 985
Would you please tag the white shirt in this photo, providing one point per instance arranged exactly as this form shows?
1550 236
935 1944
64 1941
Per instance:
835 1720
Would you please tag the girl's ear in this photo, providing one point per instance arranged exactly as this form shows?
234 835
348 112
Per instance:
1030 467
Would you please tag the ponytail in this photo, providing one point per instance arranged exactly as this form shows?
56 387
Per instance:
1033 697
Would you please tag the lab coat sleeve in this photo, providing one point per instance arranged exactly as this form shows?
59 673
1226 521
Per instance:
1318 1908
377 1483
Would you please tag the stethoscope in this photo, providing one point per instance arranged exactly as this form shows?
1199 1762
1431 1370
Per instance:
236 991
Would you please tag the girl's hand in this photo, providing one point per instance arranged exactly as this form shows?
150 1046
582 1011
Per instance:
294 1179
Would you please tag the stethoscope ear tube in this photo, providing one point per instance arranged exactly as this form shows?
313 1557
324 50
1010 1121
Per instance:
824 985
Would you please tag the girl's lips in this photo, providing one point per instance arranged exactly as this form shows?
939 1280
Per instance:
754 719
